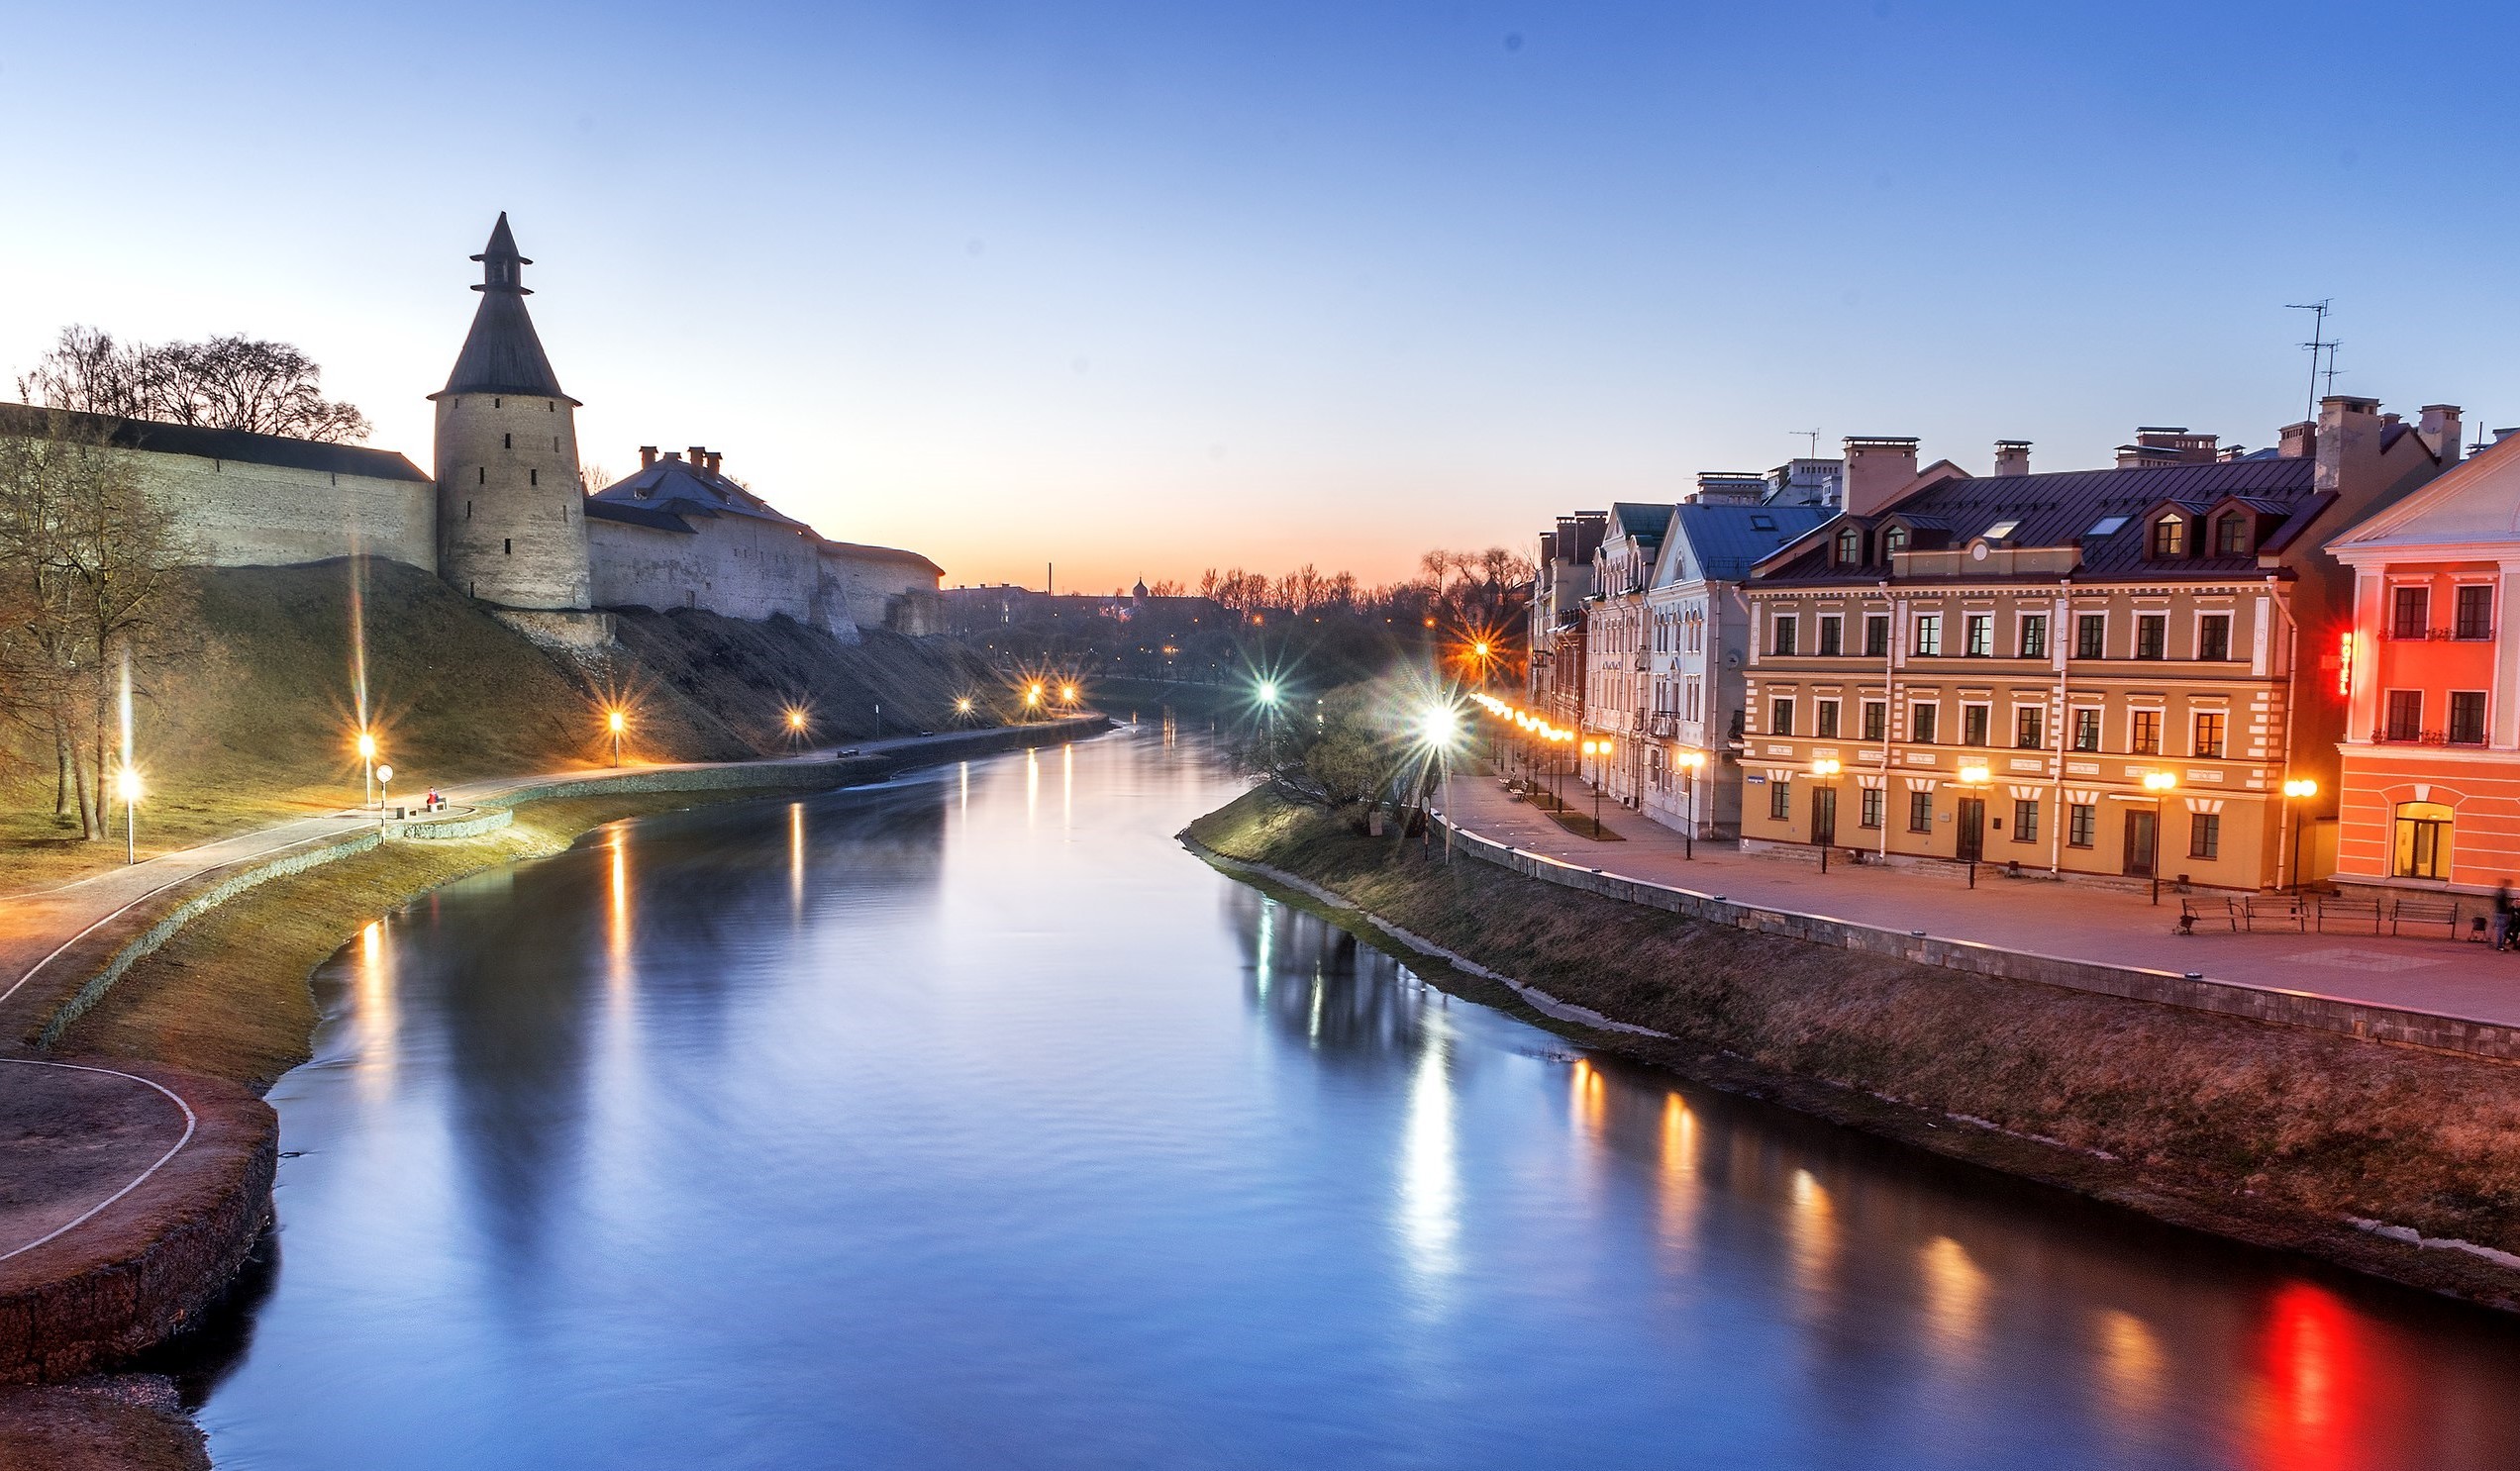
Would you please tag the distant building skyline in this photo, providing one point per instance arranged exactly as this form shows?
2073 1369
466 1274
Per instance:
1141 290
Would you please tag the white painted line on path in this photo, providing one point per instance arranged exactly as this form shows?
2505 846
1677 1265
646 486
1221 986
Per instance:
191 1122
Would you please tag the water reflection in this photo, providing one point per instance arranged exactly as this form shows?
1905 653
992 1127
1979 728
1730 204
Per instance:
835 1131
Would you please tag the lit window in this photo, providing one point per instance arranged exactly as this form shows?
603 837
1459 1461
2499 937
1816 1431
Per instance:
2170 536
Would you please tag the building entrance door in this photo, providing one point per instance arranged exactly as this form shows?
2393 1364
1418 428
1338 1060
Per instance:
2139 845
1972 829
1824 815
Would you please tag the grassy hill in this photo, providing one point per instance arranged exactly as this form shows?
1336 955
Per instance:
253 717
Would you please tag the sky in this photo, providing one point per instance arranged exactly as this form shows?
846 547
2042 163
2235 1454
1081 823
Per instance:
1142 289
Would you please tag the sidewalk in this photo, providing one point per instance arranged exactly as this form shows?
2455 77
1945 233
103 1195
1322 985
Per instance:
2036 916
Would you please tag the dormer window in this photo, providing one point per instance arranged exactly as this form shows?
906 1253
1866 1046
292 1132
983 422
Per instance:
2170 536
2230 535
1893 541
1850 548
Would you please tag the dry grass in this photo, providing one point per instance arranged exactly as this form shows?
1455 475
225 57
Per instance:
2256 1115
228 996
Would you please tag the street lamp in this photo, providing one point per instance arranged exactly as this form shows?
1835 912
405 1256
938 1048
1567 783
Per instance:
127 781
796 722
368 760
1826 768
385 779
2159 783
1691 762
1438 729
2302 787
1599 751
616 723
962 706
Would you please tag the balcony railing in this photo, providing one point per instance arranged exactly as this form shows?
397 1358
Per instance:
2427 738
2440 636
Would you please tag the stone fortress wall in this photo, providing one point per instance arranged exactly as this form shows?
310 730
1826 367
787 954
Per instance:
239 514
510 524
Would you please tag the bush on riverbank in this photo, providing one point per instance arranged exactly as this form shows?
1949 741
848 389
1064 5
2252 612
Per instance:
2250 1121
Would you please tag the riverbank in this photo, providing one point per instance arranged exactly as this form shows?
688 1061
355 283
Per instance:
2344 1150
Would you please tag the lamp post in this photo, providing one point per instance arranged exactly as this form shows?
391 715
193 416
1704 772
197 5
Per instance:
2159 783
1437 731
368 761
385 779
1692 762
1599 751
795 726
1826 768
615 721
2302 788
1978 777
129 781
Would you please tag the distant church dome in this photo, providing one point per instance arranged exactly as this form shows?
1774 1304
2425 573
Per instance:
1139 593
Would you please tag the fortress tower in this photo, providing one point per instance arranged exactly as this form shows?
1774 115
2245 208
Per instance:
511 514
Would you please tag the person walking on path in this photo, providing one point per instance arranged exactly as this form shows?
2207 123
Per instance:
2502 914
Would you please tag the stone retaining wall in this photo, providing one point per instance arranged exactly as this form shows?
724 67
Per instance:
2261 1004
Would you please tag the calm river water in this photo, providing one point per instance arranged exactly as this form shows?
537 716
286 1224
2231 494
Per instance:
969 1122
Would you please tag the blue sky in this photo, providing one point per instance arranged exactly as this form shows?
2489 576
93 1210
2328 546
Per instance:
1152 287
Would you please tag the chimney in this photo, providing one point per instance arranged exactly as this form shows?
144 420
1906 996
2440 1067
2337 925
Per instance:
699 456
714 457
646 455
2349 442
2440 429
2300 441
2012 457
675 455
1878 466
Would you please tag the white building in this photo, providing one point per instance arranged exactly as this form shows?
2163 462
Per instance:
1698 638
1615 673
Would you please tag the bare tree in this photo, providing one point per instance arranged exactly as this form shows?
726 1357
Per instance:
225 382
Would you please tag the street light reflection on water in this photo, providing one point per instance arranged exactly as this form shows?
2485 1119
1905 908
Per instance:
874 1128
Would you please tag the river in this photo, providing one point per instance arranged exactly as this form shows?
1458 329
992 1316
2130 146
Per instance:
967 1121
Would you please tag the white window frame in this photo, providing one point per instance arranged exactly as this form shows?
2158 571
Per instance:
1921 625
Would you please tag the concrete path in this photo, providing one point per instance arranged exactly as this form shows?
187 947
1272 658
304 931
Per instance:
2037 915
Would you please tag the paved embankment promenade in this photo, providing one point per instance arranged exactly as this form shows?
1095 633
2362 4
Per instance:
131 1193
2434 992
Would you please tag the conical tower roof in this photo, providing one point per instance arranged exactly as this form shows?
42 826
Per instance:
502 353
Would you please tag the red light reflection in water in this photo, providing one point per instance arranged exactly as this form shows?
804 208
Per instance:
2315 1385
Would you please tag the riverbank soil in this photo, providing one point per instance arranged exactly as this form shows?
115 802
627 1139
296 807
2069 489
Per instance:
2271 1134
115 1422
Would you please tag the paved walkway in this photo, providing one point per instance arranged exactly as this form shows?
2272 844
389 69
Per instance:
2038 916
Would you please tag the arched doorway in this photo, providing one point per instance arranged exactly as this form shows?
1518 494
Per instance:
2422 848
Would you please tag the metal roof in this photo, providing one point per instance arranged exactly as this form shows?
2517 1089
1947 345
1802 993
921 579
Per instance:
678 486
661 521
239 445
502 353
1725 541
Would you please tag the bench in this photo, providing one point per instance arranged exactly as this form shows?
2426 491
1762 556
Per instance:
2350 912
2441 912
2190 911
2274 908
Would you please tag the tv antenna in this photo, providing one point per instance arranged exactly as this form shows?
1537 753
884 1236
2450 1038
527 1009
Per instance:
2317 344
1813 435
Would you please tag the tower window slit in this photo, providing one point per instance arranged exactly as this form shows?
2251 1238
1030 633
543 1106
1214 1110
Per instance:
480 474
507 442
534 477
507 546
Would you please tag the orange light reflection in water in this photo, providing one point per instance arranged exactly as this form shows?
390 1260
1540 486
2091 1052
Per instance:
2314 1385
1955 1299
797 858
1588 1098
1679 1194
379 1016
617 927
1812 1226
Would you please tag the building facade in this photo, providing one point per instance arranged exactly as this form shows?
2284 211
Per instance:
2428 796
1697 647
1618 676
2100 673
1561 578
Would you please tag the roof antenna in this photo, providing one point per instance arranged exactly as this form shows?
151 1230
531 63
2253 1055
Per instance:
2317 344
1812 434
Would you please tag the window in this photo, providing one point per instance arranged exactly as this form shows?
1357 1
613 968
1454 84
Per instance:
2204 835
1692 699
2025 821
534 477
507 442
1980 631
1832 642
2209 732
2474 614
2467 717
1780 799
1920 812
2000 529
2090 635
1850 548
1870 813
1876 634
2151 636
2081 819
1780 718
2033 635
1786 636
1763 522
1919 723
1825 719
507 546
1876 720
480 474
1974 720
2405 715
1893 540
2086 729
2106 526
1929 634
2214 636
2027 721
2410 611
2230 535
2170 536
2144 733
2423 841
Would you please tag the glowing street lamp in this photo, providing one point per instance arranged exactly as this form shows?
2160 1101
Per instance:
368 761
1825 769
2295 788
962 706
126 782
1067 694
2160 784
1599 751
1690 762
616 722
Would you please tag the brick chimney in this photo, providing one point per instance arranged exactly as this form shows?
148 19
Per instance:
2012 457
1878 465
2300 441
2440 429
2349 441
714 457
699 456
646 455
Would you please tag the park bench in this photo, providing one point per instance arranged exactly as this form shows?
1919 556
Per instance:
2350 912
2441 912
2192 910
2273 908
